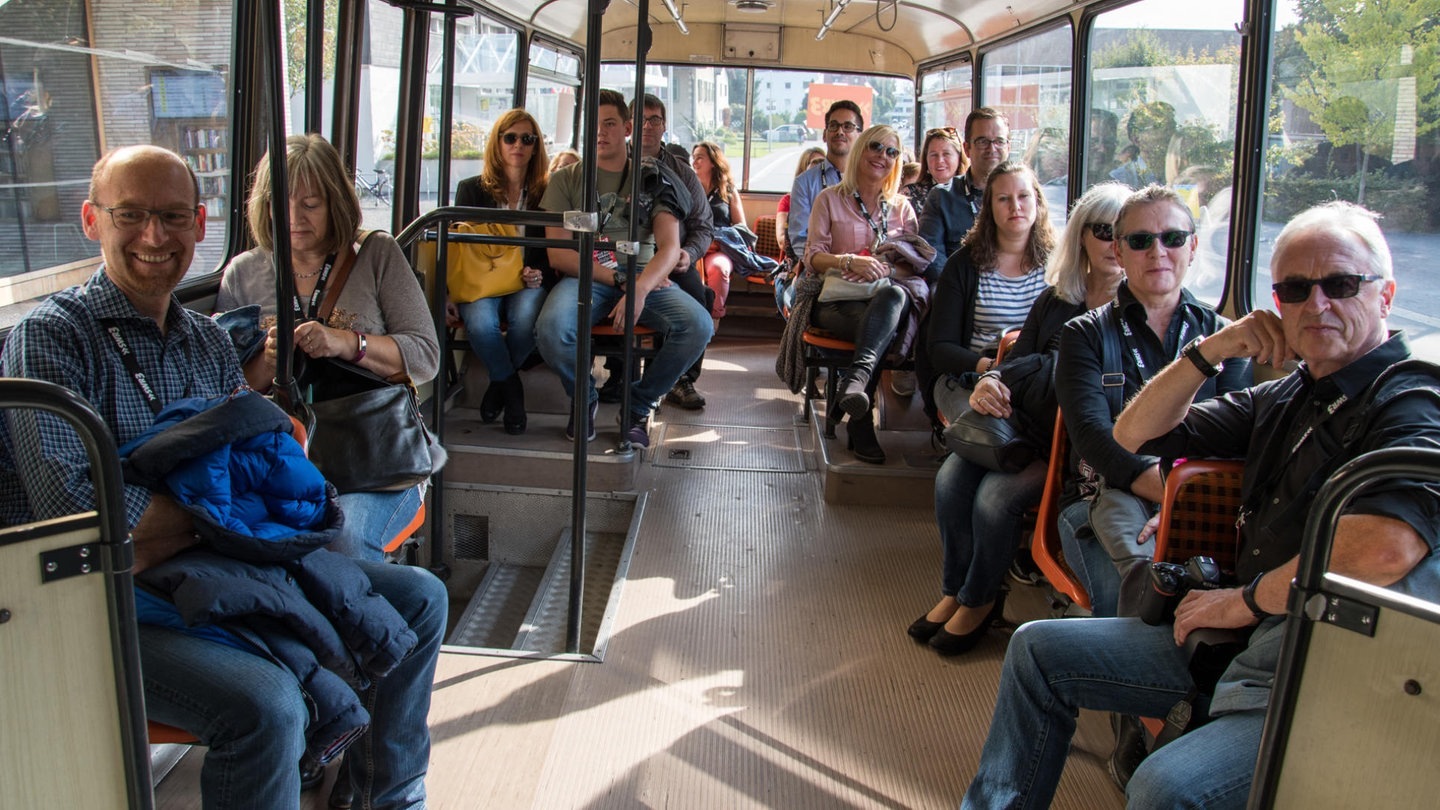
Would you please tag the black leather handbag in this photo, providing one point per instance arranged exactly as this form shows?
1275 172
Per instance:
368 433
993 443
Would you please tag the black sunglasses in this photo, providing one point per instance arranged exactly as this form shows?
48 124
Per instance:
890 151
1142 240
1297 290
511 137
1103 231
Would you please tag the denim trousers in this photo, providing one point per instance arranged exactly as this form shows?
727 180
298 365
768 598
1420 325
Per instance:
372 519
1113 567
683 321
979 511
503 352
1055 668
251 715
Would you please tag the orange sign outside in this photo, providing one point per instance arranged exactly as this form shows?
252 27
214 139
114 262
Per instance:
823 95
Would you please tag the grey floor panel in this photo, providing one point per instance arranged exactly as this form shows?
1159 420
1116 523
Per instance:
698 446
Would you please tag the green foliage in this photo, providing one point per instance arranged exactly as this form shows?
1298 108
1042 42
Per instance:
1361 52
1141 49
295 13
1401 202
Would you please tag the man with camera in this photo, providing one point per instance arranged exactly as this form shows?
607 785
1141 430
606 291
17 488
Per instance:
1334 289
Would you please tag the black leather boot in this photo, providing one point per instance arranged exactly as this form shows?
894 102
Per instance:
493 402
862 440
854 397
514 397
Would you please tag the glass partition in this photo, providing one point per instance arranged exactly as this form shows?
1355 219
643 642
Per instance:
1029 82
1162 110
1354 115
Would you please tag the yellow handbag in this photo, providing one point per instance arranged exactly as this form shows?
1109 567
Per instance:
483 271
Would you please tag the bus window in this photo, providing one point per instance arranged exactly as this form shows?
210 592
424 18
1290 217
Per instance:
946 96
1354 116
75 82
484 71
552 94
788 115
1029 82
702 103
296 89
1168 84
375 124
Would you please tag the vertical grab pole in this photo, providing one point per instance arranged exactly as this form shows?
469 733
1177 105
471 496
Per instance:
580 403
287 390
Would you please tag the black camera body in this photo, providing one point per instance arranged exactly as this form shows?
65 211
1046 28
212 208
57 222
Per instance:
1169 582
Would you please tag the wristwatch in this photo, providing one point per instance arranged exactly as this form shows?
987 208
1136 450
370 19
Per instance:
1192 352
1247 593
620 278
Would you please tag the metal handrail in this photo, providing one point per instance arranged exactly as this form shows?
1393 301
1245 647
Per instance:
117 557
1311 582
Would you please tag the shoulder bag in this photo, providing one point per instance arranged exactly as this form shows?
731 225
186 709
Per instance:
990 441
478 270
368 434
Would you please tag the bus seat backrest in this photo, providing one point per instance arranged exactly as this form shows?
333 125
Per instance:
1202 502
1045 547
1007 342
765 242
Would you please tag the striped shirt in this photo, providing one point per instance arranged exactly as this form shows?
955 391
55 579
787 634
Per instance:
44 470
1001 304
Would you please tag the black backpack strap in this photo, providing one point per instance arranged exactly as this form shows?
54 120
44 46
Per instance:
1112 377
1375 396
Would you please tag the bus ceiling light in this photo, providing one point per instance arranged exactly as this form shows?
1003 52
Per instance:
830 19
674 12
753 6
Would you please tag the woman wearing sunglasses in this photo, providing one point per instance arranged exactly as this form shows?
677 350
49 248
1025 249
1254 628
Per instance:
852 224
514 176
941 158
979 510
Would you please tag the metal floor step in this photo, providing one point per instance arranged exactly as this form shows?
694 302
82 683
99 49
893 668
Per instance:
499 607
545 625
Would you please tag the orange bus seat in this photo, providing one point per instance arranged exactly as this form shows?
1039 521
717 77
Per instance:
1045 546
766 244
1202 503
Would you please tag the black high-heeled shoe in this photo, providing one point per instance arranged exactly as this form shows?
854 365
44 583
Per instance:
493 402
861 440
922 629
948 644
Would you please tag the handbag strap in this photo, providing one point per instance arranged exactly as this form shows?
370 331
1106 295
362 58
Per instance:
343 266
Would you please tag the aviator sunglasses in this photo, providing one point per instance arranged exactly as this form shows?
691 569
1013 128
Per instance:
890 151
1297 290
1142 240
511 137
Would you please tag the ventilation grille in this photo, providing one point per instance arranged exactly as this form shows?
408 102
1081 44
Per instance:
472 537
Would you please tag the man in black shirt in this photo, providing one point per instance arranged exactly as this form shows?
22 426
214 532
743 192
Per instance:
1334 291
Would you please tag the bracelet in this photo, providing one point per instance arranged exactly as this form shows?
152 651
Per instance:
991 373
359 354
1247 594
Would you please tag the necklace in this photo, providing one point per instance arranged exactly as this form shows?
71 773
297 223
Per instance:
310 275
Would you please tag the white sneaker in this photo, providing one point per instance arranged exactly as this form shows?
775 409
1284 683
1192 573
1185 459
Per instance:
902 383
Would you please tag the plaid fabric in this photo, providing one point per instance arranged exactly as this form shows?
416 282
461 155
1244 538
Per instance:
44 470
1203 517
765 242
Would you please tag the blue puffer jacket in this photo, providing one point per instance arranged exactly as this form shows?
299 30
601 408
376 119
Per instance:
265 513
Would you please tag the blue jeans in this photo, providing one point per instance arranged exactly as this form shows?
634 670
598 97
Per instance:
503 352
372 519
1055 668
681 319
1088 559
251 715
979 514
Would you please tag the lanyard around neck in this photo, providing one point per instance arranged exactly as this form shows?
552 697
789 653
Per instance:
877 228
317 294
132 366
1134 346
